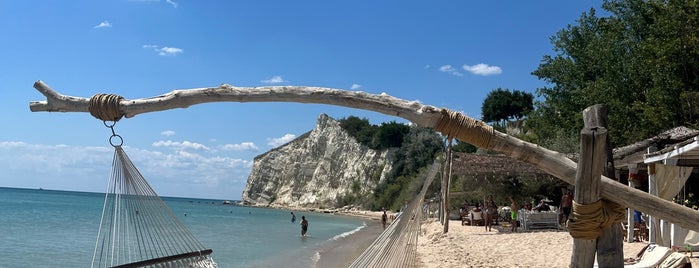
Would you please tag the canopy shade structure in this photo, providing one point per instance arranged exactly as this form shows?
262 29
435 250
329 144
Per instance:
669 169
683 154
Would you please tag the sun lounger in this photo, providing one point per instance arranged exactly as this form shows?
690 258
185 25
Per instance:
675 260
539 220
653 256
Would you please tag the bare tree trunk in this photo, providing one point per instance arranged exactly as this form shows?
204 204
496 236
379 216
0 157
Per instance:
469 130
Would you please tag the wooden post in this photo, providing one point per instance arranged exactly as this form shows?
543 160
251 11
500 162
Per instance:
610 247
445 190
653 221
587 188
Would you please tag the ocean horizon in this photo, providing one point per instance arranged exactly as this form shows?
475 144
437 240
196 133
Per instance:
49 228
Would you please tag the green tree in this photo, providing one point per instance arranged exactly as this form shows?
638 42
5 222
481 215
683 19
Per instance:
390 135
640 61
501 105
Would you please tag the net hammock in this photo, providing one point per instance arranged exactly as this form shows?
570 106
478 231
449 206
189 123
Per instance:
137 229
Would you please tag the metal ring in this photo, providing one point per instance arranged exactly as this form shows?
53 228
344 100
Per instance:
121 140
109 125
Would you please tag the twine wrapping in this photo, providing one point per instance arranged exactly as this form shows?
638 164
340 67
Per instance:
456 125
106 107
589 219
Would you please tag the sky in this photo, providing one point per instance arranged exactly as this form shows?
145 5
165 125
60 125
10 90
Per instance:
446 54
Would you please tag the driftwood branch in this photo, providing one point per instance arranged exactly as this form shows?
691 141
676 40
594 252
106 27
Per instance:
552 162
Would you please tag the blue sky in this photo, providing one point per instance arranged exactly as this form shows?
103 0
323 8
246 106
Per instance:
442 53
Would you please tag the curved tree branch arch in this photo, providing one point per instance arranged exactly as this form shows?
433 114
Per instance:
449 123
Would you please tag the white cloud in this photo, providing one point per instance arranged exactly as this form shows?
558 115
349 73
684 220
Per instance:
355 86
274 80
241 146
104 24
172 3
83 168
450 70
169 51
175 5
482 69
426 66
275 142
165 51
168 133
181 145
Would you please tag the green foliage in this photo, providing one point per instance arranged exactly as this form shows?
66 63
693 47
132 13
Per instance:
388 135
358 128
642 61
418 150
503 104
463 147
411 149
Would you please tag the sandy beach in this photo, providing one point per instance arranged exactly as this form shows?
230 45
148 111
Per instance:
343 252
472 246
468 246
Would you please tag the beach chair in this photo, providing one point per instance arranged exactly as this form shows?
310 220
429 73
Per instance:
675 260
653 256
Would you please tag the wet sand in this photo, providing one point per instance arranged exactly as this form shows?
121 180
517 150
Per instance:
342 252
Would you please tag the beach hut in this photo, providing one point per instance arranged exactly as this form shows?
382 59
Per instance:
669 168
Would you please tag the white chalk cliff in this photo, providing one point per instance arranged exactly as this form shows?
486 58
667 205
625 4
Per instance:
316 170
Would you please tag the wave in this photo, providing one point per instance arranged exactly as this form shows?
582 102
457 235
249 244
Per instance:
348 233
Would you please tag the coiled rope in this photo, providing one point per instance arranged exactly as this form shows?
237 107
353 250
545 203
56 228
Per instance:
589 219
106 107
456 125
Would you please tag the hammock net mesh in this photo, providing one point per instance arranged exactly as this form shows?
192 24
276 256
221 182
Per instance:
137 229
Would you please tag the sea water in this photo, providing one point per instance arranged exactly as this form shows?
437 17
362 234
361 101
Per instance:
47 228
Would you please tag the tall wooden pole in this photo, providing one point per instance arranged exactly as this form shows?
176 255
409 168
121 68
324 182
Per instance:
446 182
587 188
610 247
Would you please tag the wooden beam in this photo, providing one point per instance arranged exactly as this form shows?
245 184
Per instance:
552 162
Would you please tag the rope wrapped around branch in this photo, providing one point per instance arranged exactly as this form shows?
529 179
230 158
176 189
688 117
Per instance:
106 107
456 125
589 219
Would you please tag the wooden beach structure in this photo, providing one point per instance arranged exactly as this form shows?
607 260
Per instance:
452 124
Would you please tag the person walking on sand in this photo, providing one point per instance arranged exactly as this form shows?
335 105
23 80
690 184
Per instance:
384 219
513 213
566 206
304 226
491 211
293 217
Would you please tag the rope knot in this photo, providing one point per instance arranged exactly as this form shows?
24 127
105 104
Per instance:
106 107
589 219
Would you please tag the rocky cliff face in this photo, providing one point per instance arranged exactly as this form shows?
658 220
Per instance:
315 170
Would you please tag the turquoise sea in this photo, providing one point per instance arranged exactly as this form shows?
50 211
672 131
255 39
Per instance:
47 228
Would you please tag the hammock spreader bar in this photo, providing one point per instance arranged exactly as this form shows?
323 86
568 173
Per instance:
166 259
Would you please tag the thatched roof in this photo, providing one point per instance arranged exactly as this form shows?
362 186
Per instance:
633 153
494 165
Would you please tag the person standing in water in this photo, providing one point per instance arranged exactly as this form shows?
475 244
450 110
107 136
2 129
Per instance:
304 226
293 217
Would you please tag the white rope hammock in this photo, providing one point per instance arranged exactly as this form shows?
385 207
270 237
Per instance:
137 229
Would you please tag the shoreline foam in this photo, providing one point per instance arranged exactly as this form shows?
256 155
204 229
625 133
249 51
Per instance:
343 251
